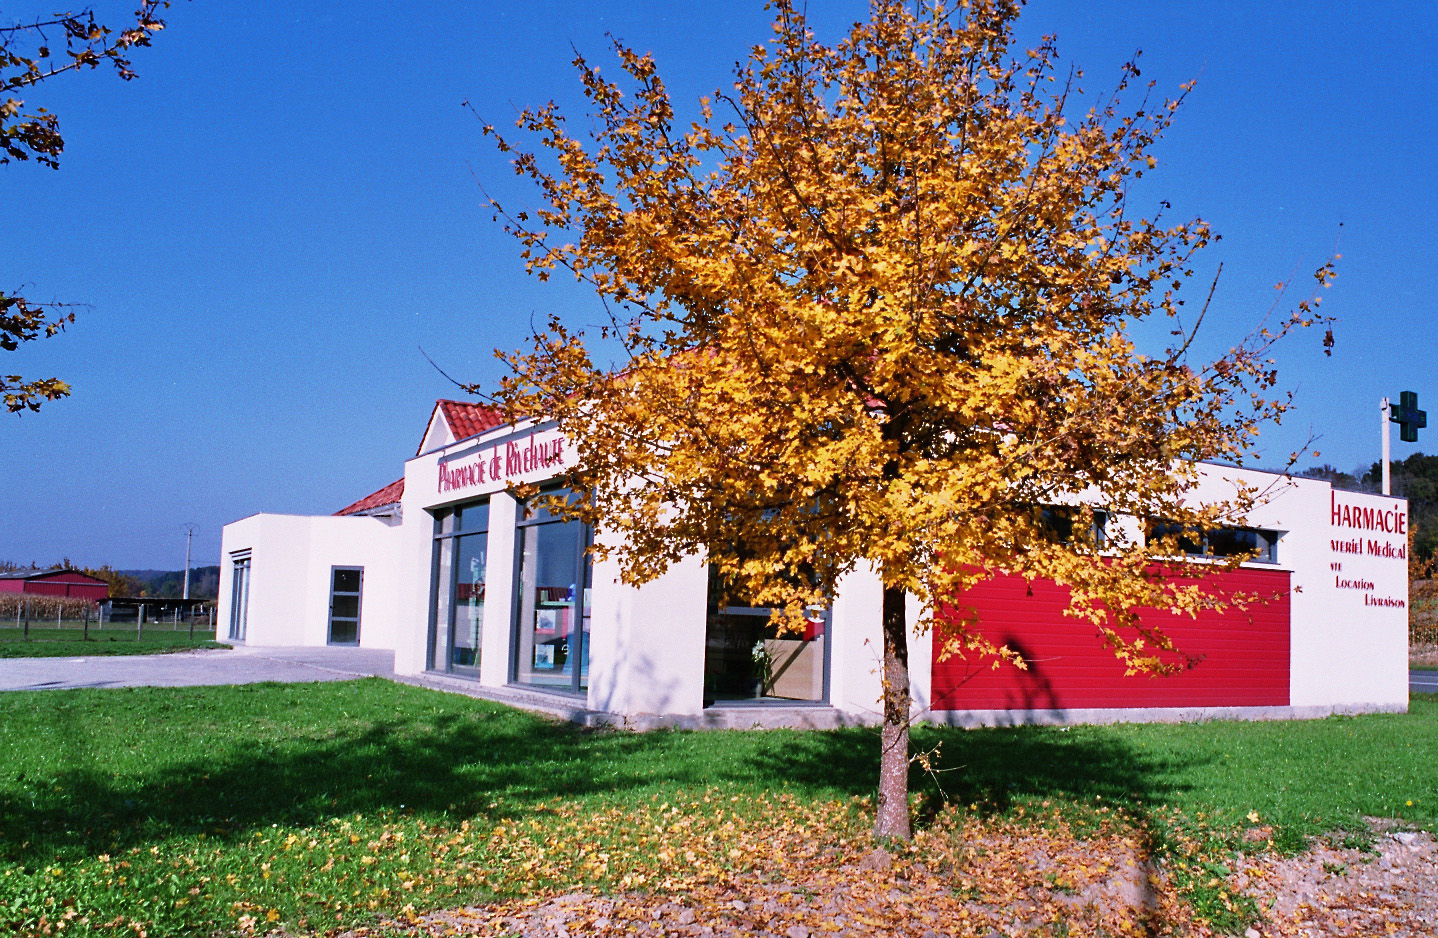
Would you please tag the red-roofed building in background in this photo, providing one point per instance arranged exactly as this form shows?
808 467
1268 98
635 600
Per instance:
71 584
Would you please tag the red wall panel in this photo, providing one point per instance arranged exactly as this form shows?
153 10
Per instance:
72 590
1242 654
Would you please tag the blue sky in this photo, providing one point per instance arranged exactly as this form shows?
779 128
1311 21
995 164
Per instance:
282 209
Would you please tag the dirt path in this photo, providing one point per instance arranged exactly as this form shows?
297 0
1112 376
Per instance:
1003 882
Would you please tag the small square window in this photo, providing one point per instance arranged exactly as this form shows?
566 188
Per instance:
1059 521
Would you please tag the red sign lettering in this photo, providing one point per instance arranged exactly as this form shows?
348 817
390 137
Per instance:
1388 520
501 463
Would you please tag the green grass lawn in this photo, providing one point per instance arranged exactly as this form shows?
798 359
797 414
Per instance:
202 810
46 641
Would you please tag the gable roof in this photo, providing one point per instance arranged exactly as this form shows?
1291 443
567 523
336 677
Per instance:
449 422
74 576
457 420
385 497
466 419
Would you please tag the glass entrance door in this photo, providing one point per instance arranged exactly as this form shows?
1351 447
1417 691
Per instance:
467 631
461 562
345 587
239 596
749 660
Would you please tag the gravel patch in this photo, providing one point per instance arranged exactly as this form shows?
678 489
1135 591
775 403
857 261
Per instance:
1102 888
1336 892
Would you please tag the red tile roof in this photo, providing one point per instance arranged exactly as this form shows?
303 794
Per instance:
466 419
72 576
389 495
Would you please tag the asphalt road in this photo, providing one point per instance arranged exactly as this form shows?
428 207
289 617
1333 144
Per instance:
239 665
1425 681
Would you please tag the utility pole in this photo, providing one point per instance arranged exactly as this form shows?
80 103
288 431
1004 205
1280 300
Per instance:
190 527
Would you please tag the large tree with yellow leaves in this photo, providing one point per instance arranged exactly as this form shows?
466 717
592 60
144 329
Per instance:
871 311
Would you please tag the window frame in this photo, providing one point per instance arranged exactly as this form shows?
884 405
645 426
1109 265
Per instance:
531 513
449 528
1200 544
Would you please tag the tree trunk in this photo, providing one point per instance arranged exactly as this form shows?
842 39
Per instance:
893 815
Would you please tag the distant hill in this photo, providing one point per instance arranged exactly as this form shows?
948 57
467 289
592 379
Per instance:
170 584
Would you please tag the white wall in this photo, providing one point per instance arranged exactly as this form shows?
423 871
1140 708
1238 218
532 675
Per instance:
1345 654
647 644
413 563
290 561
1349 653
857 653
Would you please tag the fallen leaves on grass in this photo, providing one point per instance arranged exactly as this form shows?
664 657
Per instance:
719 863
773 874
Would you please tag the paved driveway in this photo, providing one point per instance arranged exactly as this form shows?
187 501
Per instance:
239 665
243 665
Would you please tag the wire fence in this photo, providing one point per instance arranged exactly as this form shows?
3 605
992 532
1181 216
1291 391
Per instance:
37 617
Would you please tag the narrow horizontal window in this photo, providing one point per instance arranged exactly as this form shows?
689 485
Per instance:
1216 542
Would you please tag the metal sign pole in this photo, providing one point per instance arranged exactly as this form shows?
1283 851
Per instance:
1383 410
1409 419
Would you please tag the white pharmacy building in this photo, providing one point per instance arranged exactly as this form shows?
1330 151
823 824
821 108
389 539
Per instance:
466 583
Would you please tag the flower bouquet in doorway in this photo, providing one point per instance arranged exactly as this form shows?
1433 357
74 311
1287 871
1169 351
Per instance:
763 669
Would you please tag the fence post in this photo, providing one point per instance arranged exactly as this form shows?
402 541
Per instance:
87 623
192 624
27 620
140 623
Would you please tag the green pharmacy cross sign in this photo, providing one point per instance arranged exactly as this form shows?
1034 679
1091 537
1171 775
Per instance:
1408 417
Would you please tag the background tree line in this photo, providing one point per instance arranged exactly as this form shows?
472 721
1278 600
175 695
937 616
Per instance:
1414 478
161 584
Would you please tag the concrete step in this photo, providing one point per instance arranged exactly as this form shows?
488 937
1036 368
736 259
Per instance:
573 710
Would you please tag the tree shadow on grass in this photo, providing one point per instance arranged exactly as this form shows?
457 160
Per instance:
471 758
992 769
235 760
401 749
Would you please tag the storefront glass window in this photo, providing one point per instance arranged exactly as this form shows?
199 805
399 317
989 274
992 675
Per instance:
461 562
552 603
747 660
